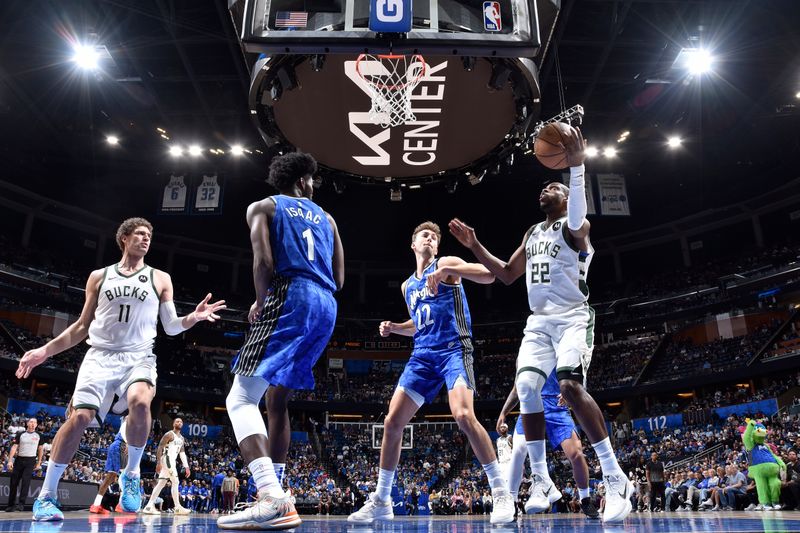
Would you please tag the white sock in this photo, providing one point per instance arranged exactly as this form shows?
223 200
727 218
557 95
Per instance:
583 493
51 479
134 458
265 478
98 499
280 468
495 475
176 497
384 488
538 458
608 461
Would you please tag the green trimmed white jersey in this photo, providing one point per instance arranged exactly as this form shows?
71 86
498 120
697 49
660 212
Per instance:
555 270
127 311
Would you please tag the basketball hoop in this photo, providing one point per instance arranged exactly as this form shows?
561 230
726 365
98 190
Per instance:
390 79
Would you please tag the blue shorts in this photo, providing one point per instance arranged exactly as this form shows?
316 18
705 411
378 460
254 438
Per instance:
428 370
284 344
558 424
114 457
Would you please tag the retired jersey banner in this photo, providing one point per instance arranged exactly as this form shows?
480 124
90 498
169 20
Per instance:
590 207
613 195
208 196
174 198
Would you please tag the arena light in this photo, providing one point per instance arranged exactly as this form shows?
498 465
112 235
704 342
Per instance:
175 151
797 95
112 140
592 151
698 60
609 152
85 57
674 142
195 150
237 150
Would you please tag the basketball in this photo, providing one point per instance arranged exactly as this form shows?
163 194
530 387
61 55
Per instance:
547 146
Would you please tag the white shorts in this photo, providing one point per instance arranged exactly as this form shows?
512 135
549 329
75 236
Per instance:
104 374
169 469
563 342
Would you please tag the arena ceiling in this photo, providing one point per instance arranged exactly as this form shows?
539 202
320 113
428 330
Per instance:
176 65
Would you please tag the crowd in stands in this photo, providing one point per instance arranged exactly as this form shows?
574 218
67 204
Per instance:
618 364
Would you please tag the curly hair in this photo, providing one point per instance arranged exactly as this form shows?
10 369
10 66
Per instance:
127 227
287 169
433 226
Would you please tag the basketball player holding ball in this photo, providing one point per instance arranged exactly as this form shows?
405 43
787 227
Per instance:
554 256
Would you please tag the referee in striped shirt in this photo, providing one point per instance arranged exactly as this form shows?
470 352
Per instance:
28 450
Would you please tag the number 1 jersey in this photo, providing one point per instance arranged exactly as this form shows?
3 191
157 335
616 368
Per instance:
442 320
301 238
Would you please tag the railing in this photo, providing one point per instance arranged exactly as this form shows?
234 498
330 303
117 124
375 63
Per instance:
696 457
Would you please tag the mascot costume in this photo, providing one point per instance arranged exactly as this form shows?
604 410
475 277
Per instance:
764 466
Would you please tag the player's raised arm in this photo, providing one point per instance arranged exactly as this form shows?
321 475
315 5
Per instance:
75 333
575 148
506 271
511 401
174 324
452 269
338 255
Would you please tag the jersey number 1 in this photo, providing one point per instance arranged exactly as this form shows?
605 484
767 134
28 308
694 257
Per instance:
310 240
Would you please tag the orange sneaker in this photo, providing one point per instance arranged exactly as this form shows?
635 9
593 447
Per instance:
98 509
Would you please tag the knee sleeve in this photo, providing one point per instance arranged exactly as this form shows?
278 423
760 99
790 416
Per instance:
242 404
529 389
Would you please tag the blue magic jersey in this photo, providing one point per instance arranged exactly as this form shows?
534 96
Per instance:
442 320
302 241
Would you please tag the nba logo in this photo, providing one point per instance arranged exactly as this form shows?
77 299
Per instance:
491 16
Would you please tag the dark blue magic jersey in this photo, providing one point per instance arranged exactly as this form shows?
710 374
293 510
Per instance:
443 320
302 241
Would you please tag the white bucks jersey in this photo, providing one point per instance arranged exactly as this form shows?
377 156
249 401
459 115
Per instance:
555 270
174 447
504 449
127 311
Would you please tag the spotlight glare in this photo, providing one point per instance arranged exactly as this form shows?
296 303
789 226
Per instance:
797 95
699 61
592 151
175 151
85 56
195 150
610 152
674 142
112 139
237 150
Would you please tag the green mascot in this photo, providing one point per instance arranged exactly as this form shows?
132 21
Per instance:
764 466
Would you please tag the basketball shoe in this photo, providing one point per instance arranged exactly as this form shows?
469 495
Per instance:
266 513
543 494
502 508
373 509
618 497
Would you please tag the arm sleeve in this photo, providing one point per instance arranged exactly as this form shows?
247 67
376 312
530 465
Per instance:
172 323
576 203
183 459
747 436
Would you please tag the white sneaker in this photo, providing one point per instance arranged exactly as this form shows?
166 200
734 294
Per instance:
373 509
768 507
707 503
777 507
149 509
751 507
503 507
265 513
543 494
618 497
182 510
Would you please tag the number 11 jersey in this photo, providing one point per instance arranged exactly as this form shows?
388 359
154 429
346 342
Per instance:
442 320
127 311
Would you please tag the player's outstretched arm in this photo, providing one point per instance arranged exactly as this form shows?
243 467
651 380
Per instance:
407 328
452 269
174 324
507 272
75 333
338 255
575 147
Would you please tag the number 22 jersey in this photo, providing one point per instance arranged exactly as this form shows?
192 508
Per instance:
442 320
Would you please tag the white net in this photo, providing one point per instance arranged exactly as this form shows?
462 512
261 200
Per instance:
390 79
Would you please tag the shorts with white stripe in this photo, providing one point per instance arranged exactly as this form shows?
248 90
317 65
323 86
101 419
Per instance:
283 345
